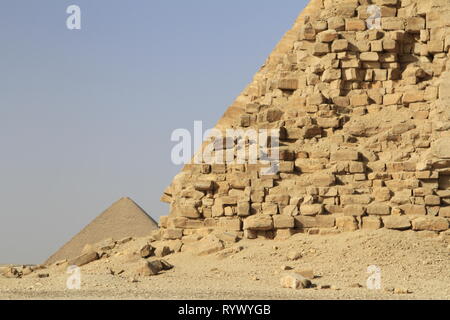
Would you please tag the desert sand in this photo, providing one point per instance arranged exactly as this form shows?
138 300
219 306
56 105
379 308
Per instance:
417 263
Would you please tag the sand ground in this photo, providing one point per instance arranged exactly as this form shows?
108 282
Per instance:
252 269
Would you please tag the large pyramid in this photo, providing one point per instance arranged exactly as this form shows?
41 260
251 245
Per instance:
362 107
123 219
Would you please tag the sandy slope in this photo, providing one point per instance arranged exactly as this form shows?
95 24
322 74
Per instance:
408 260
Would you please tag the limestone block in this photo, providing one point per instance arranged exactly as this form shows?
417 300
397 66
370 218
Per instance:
336 23
204 185
362 199
371 223
327 36
311 209
441 148
413 96
288 84
243 209
347 223
258 223
345 155
444 212
430 224
84 259
436 46
369 56
392 23
307 32
354 210
355 25
323 180
415 24
340 45
379 209
172 234
283 222
411 209
358 100
295 281
321 49
392 99
397 222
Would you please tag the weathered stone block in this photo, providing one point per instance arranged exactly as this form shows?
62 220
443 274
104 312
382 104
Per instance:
430 224
172 234
397 222
189 211
331 74
243 208
288 84
432 200
321 48
336 23
311 209
369 56
344 155
392 99
379 209
229 224
436 46
347 224
415 24
392 23
355 25
328 123
371 223
269 208
441 148
84 259
356 167
259 223
363 199
323 180
146 269
444 212
327 36
283 234
204 185
354 210
411 209
208 246
283 222
413 96
307 32
359 100
340 45
295 281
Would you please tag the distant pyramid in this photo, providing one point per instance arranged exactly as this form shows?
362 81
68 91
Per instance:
123 219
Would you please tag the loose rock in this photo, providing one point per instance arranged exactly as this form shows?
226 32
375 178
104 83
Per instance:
295 281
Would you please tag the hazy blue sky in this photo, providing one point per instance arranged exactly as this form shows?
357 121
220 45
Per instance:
86 116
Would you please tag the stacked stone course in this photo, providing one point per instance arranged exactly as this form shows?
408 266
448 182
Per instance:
364 122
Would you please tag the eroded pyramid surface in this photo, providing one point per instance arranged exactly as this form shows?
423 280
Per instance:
363 114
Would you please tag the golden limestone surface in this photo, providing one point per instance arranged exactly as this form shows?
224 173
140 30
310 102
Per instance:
361 103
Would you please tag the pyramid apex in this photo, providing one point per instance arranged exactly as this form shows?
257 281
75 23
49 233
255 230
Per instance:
125 199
